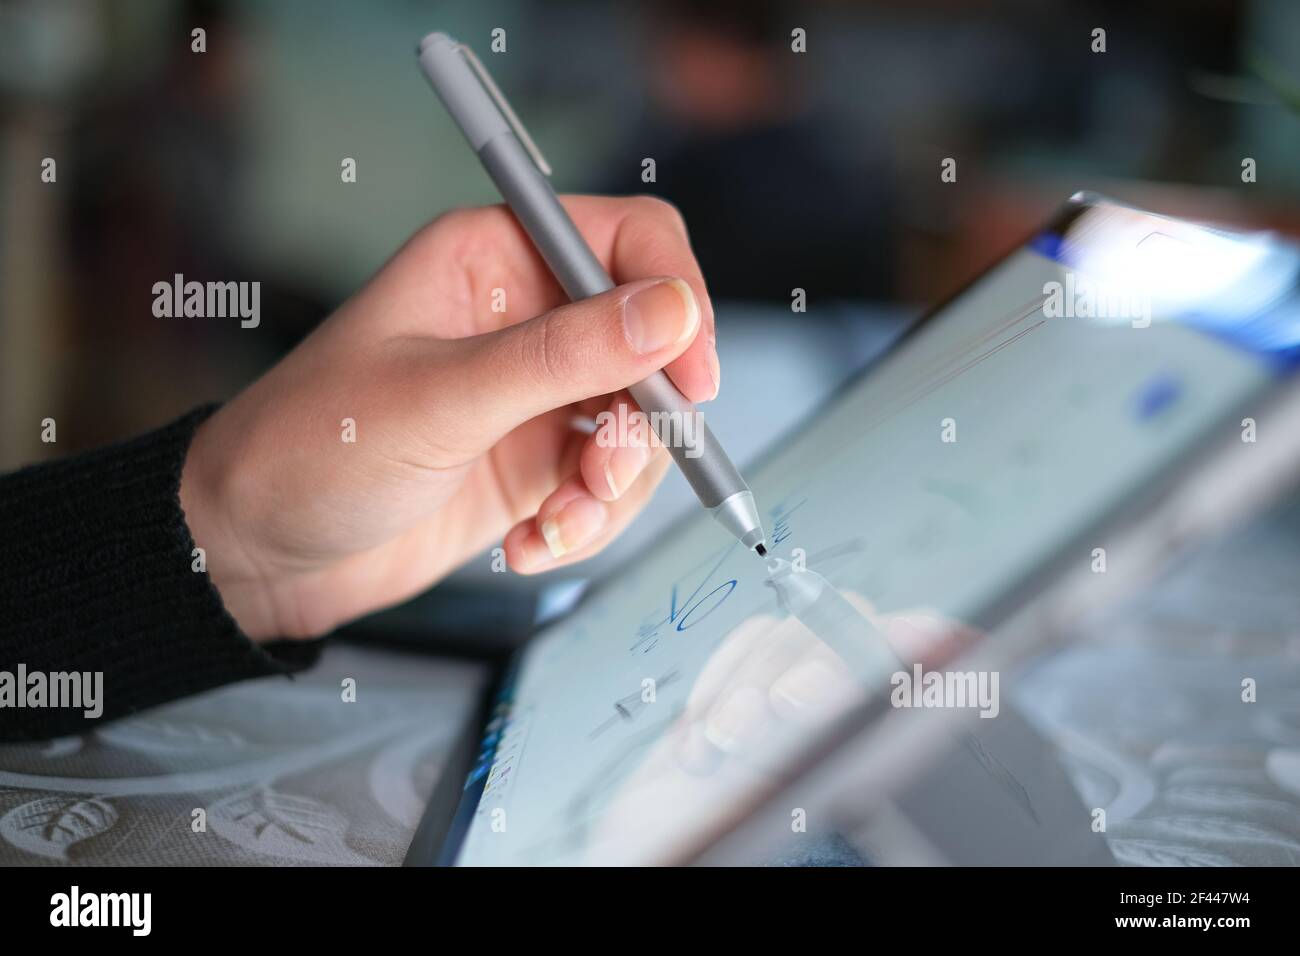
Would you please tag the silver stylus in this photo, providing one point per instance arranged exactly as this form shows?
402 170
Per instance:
519 171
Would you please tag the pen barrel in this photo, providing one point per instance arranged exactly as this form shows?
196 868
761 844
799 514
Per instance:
706 466
679 424
529 195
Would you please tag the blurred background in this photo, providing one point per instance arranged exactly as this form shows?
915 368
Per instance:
817 170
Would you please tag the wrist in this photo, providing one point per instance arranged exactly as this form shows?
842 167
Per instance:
227 561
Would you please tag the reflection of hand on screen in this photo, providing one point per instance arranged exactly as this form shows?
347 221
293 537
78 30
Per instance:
769 670
769 685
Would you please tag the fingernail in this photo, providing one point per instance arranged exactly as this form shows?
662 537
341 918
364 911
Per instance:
660 316
573 525
623 466
696 754
736 720
803 685
534 552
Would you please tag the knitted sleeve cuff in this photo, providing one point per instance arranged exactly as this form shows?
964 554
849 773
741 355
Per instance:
96 576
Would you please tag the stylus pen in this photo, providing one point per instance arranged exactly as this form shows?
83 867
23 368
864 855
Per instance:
519 171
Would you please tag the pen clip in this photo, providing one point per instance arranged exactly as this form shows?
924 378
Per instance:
517 127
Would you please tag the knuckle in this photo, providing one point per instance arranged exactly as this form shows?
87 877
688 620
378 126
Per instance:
545 357
660 210
452 222
468 230
441 238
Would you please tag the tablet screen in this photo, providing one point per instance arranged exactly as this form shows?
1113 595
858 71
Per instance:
1071 377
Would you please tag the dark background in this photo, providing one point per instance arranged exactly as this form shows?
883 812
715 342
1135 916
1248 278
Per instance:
818 170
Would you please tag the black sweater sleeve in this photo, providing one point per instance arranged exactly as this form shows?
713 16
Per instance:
96 576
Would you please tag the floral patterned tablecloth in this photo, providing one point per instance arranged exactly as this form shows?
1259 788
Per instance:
268 772
1147 707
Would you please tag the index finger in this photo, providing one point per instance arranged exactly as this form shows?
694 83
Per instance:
638 237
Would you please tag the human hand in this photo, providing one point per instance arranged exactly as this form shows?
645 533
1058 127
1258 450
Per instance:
767 692
464 419
773 671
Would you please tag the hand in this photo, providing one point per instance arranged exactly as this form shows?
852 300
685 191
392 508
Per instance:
768 690
770 671
464 420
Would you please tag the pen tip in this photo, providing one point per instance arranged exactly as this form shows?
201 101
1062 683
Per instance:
762 551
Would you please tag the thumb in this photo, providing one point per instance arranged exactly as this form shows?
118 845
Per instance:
578 351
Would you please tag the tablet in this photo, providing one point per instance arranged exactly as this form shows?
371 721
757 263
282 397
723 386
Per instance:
906 518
